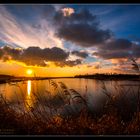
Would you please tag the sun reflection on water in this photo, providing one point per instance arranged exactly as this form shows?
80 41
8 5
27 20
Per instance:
29 87
29 100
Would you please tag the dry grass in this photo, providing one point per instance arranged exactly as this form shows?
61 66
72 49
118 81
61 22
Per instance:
65 111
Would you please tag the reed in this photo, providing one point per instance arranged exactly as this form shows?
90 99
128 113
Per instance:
65 111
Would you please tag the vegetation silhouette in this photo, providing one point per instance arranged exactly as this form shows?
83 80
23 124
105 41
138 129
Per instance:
108 76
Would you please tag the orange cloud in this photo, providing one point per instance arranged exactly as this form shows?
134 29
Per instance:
67 11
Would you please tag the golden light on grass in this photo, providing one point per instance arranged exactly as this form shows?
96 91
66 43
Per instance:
29 71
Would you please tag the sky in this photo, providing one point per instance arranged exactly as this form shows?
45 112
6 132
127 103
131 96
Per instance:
68 39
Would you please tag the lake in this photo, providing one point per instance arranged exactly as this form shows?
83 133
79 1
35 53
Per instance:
41 95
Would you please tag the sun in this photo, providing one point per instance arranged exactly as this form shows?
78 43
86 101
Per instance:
29 71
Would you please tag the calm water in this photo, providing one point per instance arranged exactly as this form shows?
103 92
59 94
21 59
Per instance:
22 94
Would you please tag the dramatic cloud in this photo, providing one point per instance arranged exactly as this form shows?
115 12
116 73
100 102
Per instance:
117 48
70 63
34 55
42 25
67 11
53 54
81 28
117 44
68 29
7 53
80 54
136 50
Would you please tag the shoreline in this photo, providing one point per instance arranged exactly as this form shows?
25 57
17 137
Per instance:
2 81
104 77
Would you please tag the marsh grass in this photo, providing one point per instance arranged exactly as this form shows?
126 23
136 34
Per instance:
65 111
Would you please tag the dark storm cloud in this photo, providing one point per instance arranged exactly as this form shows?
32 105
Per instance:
118 48
7 52
81 28
118 44
80 54
70 63
35 55
136 50
53 54
112 54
